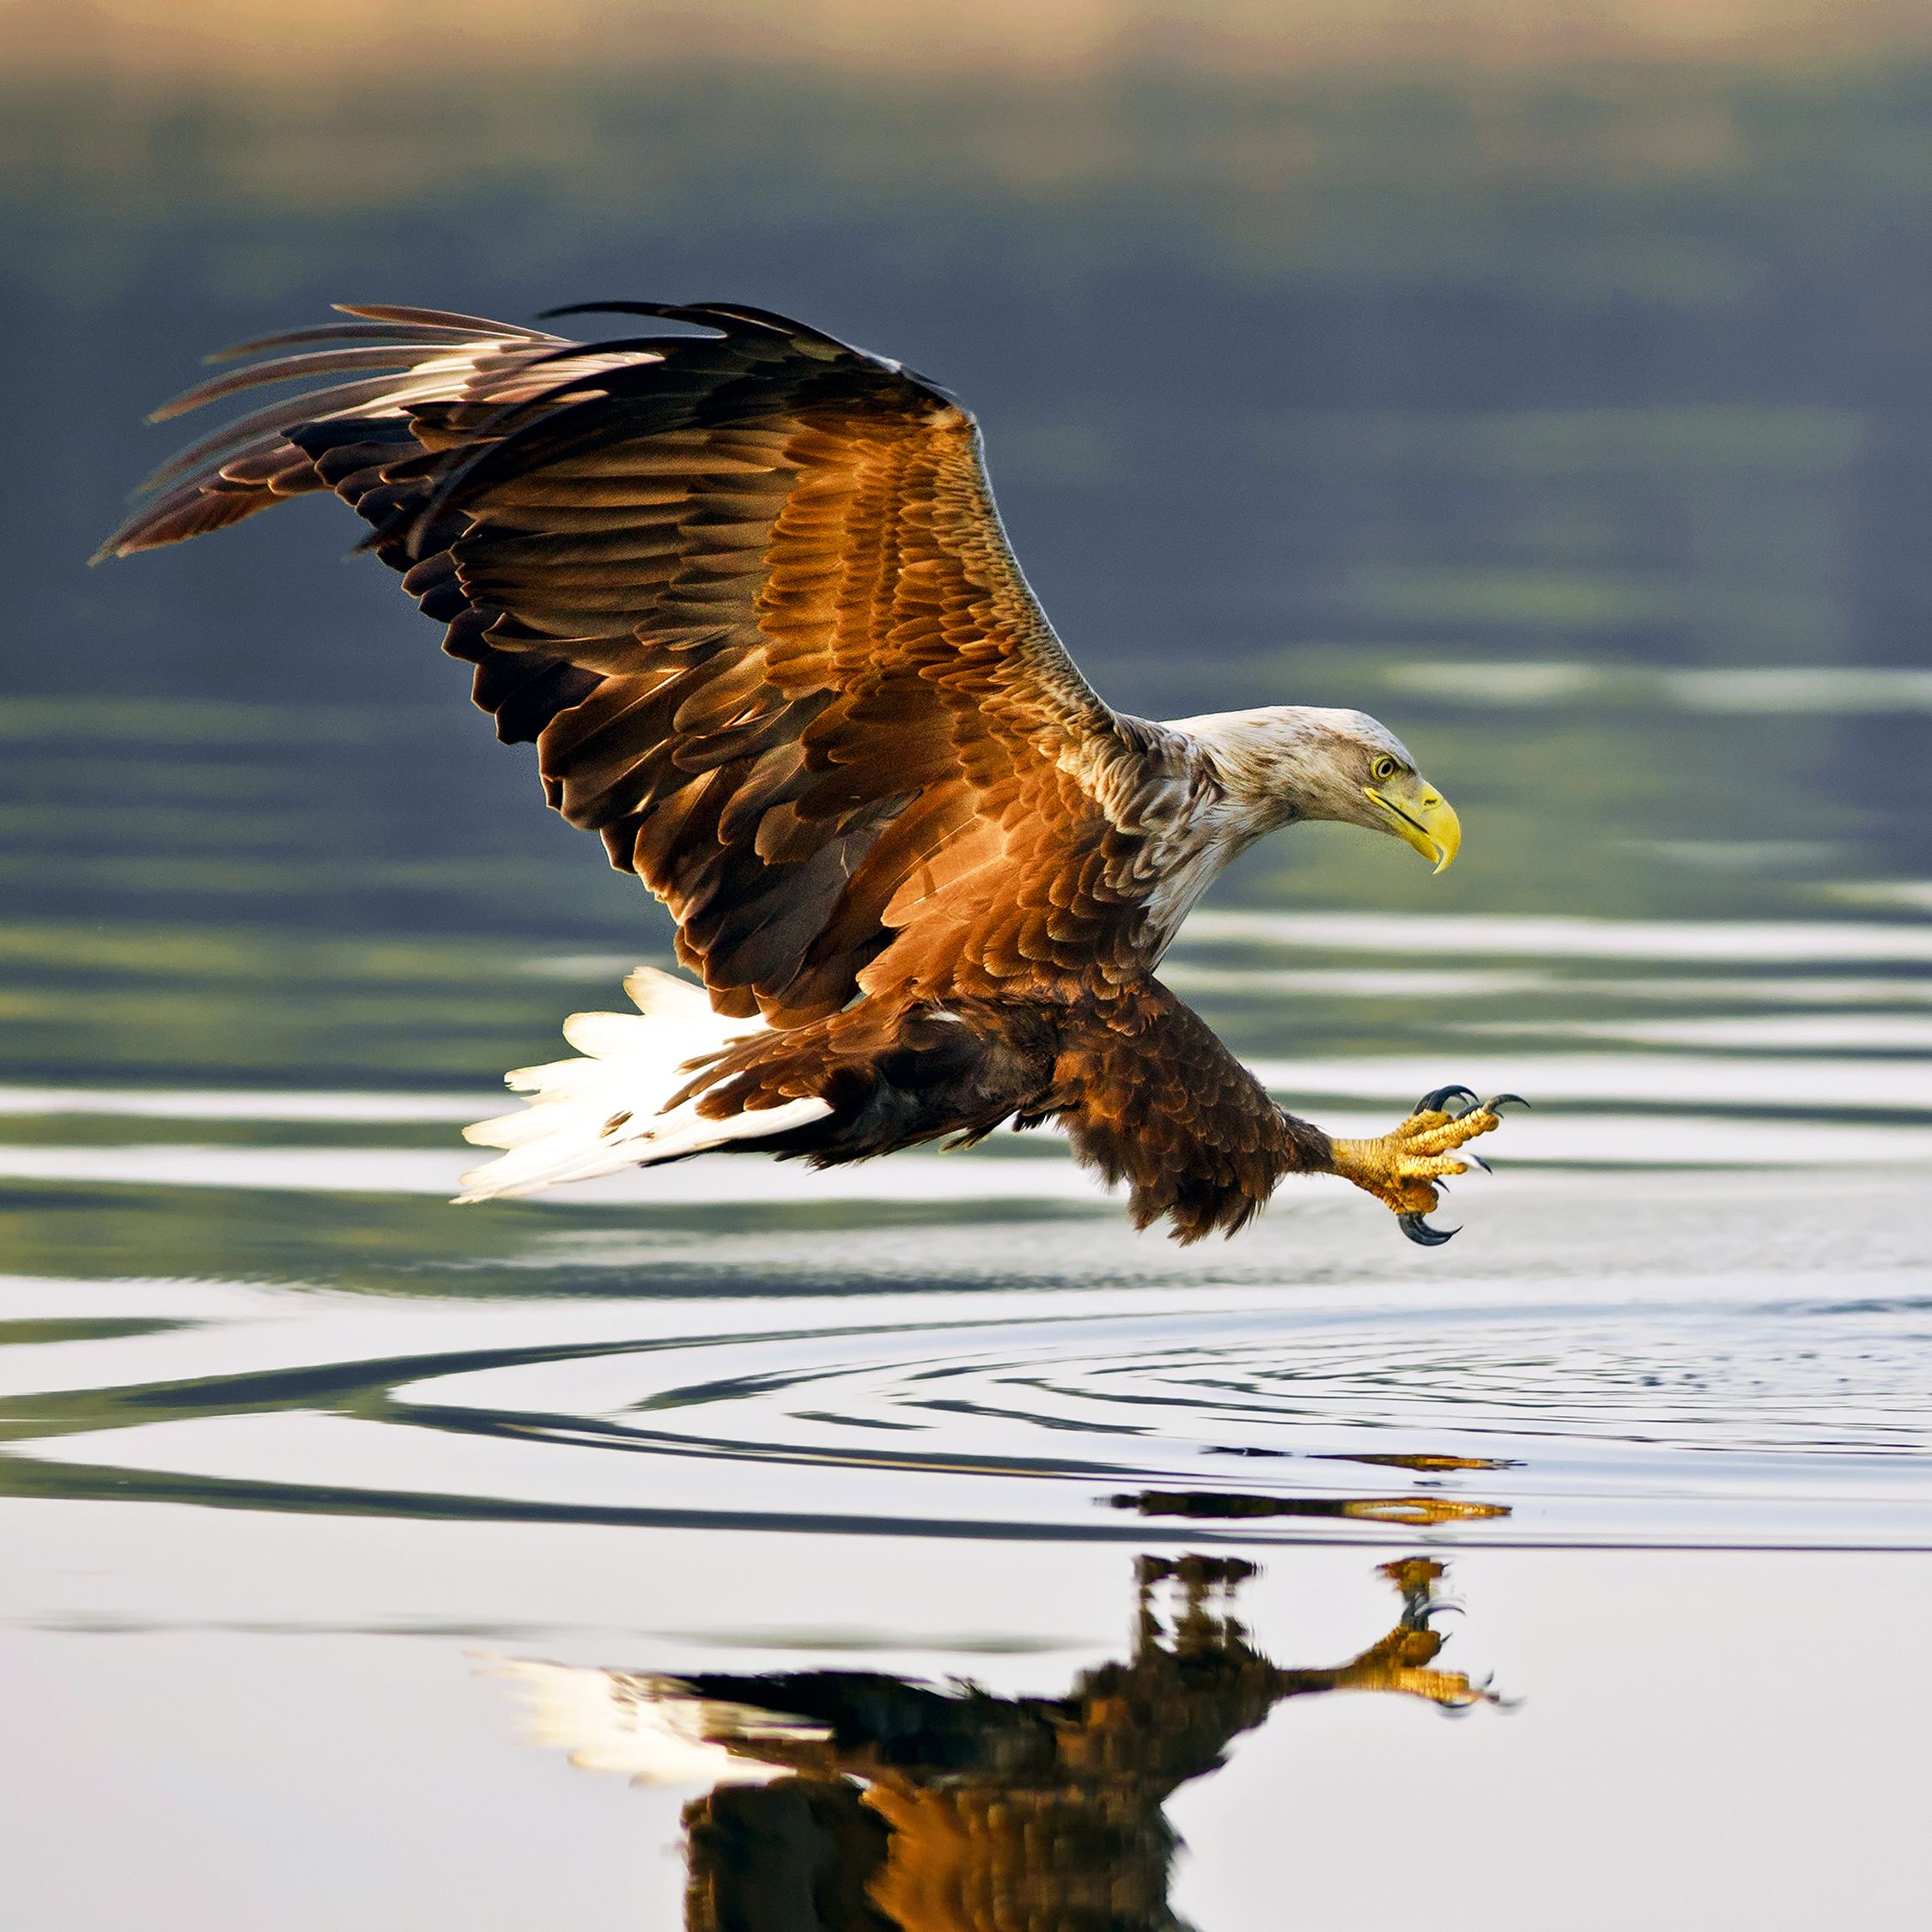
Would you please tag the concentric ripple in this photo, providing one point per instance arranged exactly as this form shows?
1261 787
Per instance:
1673 1413
1803 1419
1806 1378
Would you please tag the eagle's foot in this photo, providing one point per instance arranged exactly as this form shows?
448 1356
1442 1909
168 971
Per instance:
1406 1168
1402 1662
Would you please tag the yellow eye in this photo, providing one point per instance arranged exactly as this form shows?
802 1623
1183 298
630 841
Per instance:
1384 770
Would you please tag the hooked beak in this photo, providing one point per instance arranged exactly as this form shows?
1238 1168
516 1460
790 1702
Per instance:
1417 813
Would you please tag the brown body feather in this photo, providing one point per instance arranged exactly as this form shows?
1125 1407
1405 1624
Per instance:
748 593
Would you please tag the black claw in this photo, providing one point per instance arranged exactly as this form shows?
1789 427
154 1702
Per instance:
1422 1234
1437 1101
1500 1101
1474 1160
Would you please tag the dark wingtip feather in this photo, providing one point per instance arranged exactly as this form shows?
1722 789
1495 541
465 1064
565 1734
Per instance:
662 311
437 318
786 325
176 519
399 356
344 331
725 317
275 416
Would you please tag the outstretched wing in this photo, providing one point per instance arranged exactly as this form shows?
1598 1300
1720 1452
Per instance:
748 591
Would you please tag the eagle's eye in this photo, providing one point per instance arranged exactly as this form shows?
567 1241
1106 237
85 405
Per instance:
1384 770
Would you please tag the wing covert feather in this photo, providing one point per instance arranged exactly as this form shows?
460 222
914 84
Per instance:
748 591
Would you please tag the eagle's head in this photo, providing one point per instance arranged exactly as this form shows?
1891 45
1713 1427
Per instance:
1285 762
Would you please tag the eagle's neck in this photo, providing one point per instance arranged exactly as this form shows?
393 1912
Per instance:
1201 806
1276 765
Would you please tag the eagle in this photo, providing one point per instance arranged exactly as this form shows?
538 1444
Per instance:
850 1801
744 587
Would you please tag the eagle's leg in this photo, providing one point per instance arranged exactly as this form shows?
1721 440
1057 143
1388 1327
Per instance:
1402 1169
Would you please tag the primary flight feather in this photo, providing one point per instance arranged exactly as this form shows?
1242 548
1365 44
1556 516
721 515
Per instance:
746 587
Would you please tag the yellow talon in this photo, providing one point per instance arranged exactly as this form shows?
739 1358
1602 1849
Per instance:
1402 1167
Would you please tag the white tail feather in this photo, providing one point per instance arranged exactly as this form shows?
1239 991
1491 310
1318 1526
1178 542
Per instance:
605 1111
654 1729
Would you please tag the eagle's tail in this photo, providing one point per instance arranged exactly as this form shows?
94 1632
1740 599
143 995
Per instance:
608 1108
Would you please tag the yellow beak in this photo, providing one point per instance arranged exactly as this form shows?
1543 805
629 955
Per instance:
1421 816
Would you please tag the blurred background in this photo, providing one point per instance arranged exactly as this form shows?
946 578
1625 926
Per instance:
1554 383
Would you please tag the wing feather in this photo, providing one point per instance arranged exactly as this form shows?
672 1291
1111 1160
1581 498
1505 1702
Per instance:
748 591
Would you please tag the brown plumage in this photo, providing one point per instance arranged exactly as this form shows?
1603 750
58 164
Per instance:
746 589
849 1801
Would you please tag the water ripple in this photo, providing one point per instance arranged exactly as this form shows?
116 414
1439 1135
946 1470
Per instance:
1799 1420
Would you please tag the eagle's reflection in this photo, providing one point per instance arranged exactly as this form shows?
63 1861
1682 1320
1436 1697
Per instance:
853 1801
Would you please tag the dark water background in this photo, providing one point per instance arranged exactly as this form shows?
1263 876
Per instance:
1571 416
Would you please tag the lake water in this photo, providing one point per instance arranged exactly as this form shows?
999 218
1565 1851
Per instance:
915 1547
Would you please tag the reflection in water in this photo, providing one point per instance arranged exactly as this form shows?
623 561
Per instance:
1428 1465
854 1801
1416 1510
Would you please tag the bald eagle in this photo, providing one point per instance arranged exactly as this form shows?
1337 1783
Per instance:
744 587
